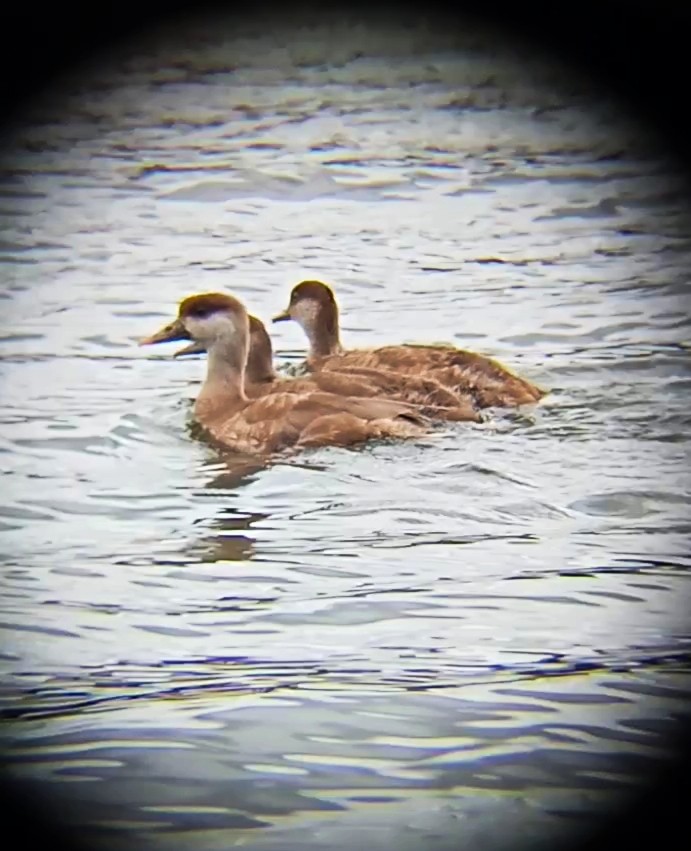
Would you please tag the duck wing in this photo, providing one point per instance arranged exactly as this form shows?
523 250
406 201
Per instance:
490 387
279 420
464 373
422 390
366 409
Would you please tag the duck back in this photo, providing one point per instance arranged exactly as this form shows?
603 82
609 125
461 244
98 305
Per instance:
425 392
466 375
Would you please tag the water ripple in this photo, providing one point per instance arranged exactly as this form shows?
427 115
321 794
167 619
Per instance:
490 624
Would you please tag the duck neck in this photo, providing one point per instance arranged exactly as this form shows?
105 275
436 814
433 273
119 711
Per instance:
323 335
259 369
224 385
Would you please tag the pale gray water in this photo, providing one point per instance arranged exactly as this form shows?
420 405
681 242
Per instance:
419 645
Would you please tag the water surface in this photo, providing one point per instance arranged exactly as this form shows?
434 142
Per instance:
436 643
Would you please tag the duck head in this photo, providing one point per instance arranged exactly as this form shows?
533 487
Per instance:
259 366
313 306
208 321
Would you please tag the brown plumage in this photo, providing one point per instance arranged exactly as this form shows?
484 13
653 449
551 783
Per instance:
432 398
219 324
313 306
427 394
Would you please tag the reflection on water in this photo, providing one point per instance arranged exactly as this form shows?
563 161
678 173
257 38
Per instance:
445 643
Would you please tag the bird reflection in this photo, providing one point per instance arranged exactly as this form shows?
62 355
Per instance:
233 470
227 535
224 540
223 548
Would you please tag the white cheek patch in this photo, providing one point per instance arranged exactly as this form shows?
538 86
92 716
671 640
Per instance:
211 327
305 313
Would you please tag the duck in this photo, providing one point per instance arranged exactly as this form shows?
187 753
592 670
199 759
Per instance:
431 398
490 384
278 421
